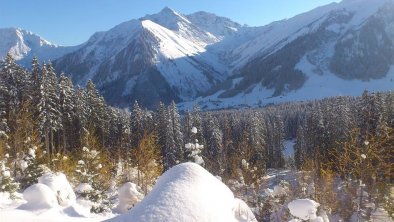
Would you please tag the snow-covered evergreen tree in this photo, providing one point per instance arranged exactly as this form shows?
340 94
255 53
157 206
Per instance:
97 112
136 124
91 173
31 167
49 113
193 149
7 182
170 135
214 149
67 108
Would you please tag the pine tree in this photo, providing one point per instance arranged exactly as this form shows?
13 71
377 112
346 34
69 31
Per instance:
7 182
93 174
80 122
49 114
163 133
136 125
97 112
16 81
276 138
175 139
31 167
35 85
193 149
258 142
214 149
67 109
299 148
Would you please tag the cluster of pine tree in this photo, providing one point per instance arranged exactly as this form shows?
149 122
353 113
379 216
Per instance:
44 111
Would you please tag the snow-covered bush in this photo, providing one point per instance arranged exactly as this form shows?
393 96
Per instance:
60 187
304 209
89 172
31 167
273 202
7 183
128 197
39 196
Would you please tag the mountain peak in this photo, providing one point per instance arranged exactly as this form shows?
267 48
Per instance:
168 18
216 25
168 10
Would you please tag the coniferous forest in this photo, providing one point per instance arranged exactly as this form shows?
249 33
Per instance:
343 146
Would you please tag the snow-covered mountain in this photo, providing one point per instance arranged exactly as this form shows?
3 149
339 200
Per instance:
160 57
338 49
23 45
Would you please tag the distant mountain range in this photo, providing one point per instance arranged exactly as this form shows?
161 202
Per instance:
337 49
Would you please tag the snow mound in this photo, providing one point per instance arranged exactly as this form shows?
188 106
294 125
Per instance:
128 197
39 196
242 211
5 198
83 188
304 209
60 186
187 192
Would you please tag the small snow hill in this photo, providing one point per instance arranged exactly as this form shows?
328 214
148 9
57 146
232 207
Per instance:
187 192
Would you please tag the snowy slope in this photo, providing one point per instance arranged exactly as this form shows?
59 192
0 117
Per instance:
174 60
339 49
23 45
160 57
278 34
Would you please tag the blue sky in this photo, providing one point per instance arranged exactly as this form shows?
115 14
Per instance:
71 22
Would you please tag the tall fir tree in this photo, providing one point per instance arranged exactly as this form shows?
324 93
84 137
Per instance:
136 125
49 113
67 109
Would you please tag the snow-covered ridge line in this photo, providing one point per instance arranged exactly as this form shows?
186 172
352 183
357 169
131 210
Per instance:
201 56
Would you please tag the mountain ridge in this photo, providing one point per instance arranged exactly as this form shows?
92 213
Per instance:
210 60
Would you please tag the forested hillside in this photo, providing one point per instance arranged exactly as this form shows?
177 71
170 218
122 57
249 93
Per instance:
48 124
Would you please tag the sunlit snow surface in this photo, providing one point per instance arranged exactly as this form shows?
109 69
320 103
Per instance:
187 192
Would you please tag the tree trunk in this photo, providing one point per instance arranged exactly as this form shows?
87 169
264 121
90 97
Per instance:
64 140
47 145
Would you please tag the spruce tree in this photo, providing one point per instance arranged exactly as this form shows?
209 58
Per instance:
175 142
136 125
7 182
49 113
67 109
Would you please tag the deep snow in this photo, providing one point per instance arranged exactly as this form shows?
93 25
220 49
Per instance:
187 192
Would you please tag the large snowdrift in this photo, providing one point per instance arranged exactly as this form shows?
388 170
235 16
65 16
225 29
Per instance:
187 192
39 196
60 186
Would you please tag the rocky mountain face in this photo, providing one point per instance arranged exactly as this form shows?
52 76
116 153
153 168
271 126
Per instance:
337 49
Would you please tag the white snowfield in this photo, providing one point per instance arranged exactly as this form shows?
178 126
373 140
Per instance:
187 192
